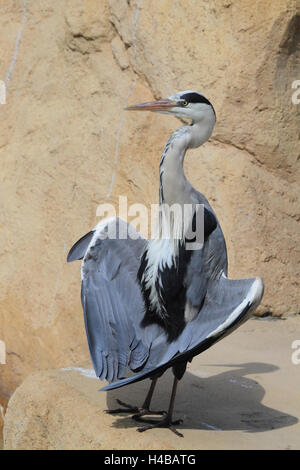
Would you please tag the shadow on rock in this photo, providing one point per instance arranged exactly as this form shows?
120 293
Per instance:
225 401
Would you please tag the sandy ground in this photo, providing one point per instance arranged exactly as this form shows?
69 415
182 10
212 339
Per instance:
243 393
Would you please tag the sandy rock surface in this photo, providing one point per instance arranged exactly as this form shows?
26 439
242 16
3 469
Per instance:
66 146
241 394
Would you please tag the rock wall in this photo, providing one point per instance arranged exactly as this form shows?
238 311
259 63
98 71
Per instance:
66 145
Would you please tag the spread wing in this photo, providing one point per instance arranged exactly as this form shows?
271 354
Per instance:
218 305
228 303
112 301
114 307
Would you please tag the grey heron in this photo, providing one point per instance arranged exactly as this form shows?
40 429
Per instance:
150 305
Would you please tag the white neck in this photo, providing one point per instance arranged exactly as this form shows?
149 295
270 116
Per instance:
175 189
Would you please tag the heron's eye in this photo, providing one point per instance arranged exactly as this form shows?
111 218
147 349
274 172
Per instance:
184 103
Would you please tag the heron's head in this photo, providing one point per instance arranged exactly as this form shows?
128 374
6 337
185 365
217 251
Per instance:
186 104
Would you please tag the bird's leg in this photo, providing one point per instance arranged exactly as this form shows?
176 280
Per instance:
146 404
145 409
138 411
166 421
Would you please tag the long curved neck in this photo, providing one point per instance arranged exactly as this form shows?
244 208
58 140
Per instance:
174 186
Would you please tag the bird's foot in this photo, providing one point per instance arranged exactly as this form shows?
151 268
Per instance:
136 411
166 422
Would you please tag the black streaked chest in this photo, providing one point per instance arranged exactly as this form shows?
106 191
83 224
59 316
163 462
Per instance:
161 275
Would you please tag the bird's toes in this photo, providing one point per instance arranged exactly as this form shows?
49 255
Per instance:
175 431
164 423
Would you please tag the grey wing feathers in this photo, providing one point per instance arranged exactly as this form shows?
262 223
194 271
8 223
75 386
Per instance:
209 261
225 299
228 303
113 304
114 307
78 250
206 263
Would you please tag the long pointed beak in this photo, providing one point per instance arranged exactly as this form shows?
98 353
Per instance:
161 105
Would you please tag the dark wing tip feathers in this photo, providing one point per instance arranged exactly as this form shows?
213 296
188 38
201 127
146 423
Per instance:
78 250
